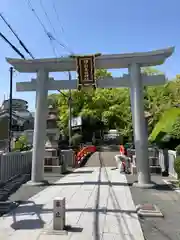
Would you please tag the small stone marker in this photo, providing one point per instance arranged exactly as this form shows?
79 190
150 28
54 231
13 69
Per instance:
148 210
59 213
148 207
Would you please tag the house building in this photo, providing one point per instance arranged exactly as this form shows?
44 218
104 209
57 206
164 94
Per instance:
22 119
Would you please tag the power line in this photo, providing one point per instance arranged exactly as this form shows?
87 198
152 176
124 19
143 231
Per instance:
62 29
36 15
55 34
57 16
42 25
48 34
50 23
15 34
12 46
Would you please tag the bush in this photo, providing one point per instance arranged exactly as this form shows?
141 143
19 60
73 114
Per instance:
21 144
177 167
178 150
76 140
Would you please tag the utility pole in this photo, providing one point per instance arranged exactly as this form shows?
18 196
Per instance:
10 109
70 111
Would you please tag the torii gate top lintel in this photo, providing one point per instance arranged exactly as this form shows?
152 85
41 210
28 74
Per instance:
111 61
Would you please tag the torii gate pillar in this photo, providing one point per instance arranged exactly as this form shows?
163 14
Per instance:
37 173
140 133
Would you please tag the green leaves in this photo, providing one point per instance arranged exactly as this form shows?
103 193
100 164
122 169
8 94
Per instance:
150 71
166 124
112 106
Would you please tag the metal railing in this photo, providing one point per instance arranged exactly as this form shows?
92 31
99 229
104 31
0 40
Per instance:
14 163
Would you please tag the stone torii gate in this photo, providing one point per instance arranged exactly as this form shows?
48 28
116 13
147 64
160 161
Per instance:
134 80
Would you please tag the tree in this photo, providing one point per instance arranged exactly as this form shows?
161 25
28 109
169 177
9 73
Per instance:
100 73
165 105
150 71
111 107
108 106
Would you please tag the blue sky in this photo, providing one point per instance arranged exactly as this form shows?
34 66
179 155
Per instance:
106 26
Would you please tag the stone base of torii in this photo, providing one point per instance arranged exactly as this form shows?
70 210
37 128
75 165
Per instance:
134 80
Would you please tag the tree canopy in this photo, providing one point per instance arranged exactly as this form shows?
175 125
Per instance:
112 106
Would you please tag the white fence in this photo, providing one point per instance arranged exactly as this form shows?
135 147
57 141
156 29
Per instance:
166 160
14 163
152 152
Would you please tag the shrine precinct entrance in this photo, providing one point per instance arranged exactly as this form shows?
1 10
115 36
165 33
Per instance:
85 66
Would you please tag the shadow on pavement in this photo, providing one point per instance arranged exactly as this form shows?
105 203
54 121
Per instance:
25 209
73 229
101 210
96 213
36 210
89 183
113 198
28 224
78 172
162 187
115 202
156 186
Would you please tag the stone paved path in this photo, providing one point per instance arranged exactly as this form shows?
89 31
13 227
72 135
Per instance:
102 158
99 206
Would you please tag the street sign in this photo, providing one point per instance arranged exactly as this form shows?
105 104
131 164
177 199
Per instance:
76 122
85 70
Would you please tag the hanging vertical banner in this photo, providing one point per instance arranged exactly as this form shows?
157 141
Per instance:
85 70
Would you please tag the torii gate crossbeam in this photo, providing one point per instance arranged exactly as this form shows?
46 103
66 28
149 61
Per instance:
134 80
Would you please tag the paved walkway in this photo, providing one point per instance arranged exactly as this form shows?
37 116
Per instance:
167 200
99 206
102 159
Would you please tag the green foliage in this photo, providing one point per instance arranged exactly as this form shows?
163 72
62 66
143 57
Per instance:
177 167
175 132
76 140
21 144
166 125
178 150
100 73
112 107
150 71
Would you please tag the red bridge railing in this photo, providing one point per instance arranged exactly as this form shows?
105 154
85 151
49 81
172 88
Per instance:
83 153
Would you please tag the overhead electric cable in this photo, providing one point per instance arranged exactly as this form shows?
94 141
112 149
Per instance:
46 14
15 34
57 16
12 46
55 34
60 24
48 34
